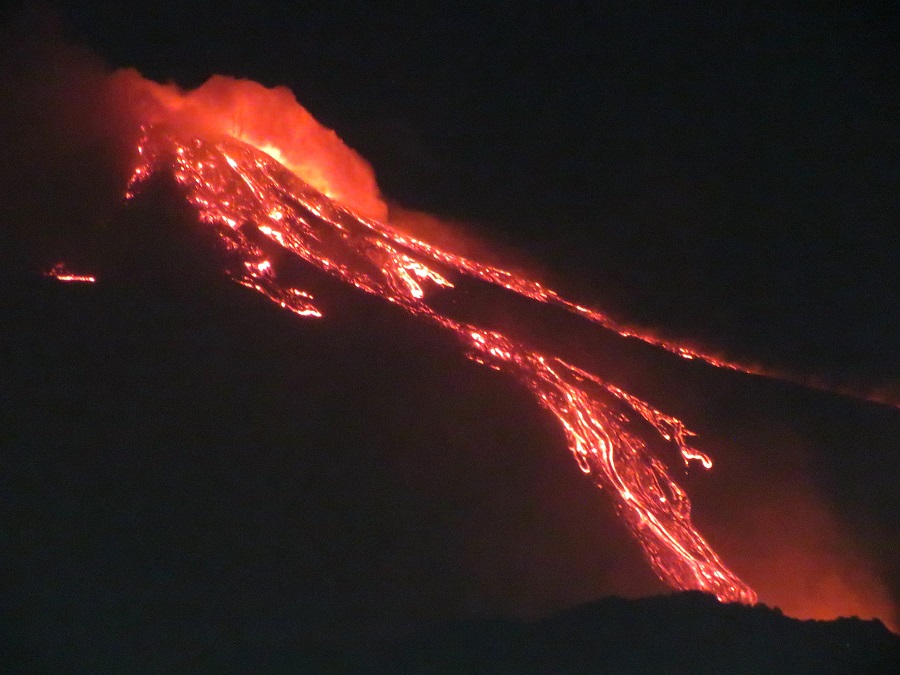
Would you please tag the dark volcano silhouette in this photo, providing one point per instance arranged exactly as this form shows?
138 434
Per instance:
687 632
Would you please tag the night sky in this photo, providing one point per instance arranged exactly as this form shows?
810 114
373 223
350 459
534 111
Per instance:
199 463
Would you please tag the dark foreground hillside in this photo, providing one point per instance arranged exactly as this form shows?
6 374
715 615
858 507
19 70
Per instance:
682 633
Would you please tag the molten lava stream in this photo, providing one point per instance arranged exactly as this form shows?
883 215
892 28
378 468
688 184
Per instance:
233 184
60 272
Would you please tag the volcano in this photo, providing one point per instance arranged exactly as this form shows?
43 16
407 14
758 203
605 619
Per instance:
192 489
190 433
232 185
251 405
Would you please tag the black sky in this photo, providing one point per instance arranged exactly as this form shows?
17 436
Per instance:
729 175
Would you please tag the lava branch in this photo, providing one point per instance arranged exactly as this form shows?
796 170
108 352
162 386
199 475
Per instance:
232 184
600 437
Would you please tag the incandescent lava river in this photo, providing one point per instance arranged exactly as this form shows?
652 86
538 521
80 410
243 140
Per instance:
246 192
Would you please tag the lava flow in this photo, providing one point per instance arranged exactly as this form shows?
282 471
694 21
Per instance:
62 273
240 189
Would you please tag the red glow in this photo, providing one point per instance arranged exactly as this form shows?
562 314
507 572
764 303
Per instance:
234 185
61 273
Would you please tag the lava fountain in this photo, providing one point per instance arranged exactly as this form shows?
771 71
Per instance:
245 186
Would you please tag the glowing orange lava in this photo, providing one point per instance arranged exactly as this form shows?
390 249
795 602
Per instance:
61 273
239 189
273 122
